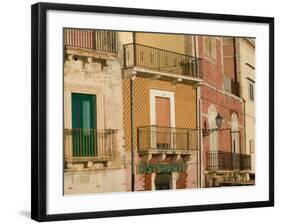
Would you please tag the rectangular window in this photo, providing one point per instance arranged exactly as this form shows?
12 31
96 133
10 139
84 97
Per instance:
84 135
210 47
251 145
251 91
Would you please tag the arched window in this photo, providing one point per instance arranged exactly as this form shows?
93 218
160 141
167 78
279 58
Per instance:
235 146
212 113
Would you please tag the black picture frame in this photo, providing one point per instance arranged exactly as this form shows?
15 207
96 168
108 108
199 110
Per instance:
38 109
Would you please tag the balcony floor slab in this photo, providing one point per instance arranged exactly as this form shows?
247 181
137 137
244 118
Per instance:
164 76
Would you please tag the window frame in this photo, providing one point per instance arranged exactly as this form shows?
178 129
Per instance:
210 50
251 92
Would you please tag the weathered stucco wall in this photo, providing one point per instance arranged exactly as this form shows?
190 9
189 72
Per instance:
92 77
101 76
97 181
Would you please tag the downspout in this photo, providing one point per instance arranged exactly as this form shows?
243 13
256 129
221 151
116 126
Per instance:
199 129
235 60
197 154
132 134
198 123
245 143
132 123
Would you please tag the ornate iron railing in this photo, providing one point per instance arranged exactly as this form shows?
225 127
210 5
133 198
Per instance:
161 60
89 143
167 138
91 39
220 160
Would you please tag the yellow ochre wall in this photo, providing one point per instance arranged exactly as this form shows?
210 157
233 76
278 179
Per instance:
170 42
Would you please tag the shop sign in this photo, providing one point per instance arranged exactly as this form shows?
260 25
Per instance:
161 168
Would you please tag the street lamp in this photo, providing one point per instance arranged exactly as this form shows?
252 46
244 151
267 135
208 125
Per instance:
219 120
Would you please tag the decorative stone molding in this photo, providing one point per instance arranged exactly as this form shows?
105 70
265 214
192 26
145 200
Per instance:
176 157
161 157
228 178
146 158
90 53
250 42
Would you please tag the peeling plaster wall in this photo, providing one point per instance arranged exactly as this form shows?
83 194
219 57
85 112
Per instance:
102 77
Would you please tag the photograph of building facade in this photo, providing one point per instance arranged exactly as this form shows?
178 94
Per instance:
150 111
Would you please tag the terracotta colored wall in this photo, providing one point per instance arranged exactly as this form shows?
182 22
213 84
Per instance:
185 105
185 112
181 181
126 114
147 182
185 180
224 103
212 69
228 58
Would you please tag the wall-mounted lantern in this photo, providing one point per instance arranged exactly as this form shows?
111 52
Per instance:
219 120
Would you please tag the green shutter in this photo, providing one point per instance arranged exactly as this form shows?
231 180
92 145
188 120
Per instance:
84 132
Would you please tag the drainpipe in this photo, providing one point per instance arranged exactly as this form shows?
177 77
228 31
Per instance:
235 60
134 48
195 46
132 134
132 88
199 129
198 125
244 108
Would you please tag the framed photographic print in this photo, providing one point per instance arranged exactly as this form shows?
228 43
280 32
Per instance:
139 111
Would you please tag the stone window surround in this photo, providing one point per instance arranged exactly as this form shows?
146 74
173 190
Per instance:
161 93
211 56
251 92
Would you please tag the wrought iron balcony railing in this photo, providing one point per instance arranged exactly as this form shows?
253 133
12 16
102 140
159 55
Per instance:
220 160
161 60
91 39
89 144
167 138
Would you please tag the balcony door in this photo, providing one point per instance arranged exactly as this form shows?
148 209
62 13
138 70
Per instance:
163 131
162 119
84 133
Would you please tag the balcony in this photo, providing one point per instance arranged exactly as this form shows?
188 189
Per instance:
228 161
91 43
163 141
85 145
158 63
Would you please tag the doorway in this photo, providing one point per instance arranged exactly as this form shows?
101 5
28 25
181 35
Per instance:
163 181
162 118
162 113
